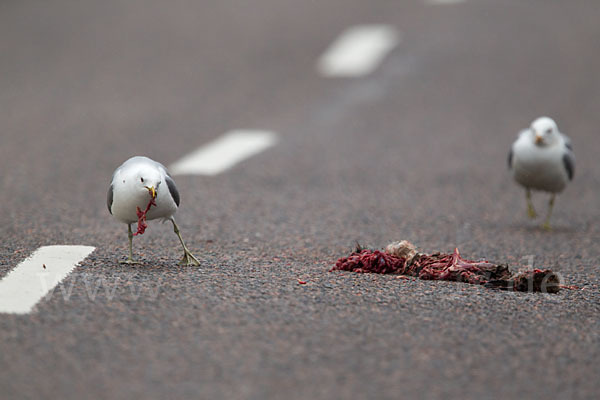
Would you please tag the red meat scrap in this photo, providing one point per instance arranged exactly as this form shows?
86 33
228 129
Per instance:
376 261
142 225
452 267
405 260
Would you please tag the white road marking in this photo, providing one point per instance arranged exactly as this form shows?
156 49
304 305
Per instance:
440 2
223 153
25 285
358 51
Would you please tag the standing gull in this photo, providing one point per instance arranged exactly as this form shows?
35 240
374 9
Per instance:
542 159
134 184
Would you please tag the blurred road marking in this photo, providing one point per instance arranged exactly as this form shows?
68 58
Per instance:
224 152
36 276
358 51
444 1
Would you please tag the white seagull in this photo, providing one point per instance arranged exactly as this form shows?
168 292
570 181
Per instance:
542 159
134 185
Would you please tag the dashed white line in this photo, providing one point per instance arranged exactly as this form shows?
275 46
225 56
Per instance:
358 51
36 276
223 153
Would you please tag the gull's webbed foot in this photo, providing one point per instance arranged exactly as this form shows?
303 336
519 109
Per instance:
531 211
188 259
130 261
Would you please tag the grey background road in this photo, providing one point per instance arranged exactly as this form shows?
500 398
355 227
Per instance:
416 150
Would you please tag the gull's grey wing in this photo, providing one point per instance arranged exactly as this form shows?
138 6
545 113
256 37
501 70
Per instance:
568 143
162 168
173 189
109 198
170 182
569 162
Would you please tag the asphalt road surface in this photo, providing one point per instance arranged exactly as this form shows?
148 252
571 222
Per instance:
414 150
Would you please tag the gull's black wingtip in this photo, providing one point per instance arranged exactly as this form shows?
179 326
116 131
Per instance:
109 198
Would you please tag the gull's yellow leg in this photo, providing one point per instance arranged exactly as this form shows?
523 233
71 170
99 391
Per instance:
546 225
130 259
530 210
188 257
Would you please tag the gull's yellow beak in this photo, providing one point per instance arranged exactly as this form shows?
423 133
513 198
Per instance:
539 139
152 191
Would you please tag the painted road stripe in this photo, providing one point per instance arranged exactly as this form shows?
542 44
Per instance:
29 282
223 153
358 51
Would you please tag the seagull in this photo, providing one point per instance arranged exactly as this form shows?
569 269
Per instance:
542 159
138 182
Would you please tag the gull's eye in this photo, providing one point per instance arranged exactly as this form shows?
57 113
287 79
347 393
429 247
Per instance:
142 179
548 131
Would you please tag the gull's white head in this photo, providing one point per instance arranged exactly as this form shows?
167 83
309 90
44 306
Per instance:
142 179
544 131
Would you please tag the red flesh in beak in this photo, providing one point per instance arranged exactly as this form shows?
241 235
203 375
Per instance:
142 215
